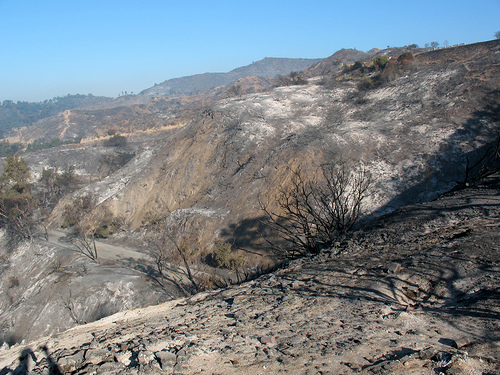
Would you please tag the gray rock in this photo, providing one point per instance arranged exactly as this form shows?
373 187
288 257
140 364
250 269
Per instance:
124 357
180 368
71 362
110 368
394 268
268 339
167 359
145 357
426 354
97 356
461 342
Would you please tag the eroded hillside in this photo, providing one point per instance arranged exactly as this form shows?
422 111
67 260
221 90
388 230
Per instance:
208 169
416 293
168 104
413 134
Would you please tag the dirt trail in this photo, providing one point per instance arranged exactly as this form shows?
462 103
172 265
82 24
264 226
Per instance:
105 251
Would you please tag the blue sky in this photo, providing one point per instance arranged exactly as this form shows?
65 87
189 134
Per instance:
57 47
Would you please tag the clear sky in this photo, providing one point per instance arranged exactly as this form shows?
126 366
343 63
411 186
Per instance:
57 47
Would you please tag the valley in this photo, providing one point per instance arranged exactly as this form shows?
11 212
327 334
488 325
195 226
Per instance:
184 169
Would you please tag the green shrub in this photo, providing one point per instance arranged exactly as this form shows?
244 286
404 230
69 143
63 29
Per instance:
7 148
116 141
236 262
380 62
102 231
225 258
366 84
54 142
222 254
294 78
356 66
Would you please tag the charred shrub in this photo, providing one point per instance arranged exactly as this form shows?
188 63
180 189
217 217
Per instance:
294 78
314 210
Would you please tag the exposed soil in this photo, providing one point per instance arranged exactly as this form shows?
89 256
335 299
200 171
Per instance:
414 292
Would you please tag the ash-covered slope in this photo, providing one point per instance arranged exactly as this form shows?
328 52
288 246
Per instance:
48 286
413 134
163 105
417 292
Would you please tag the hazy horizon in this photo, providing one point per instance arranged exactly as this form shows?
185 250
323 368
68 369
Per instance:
54 48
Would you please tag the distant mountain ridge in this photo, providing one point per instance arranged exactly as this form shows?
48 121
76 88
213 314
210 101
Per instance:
265 68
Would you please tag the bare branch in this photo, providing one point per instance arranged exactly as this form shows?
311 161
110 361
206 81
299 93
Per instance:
69 305
313 212
177 256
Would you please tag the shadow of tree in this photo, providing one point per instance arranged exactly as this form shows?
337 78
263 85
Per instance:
332 279
445 170
389 357
247 234
448 254
171 286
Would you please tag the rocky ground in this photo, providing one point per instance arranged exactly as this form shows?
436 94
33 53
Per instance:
414 292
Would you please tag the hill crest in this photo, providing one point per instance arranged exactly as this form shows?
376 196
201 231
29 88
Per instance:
266 68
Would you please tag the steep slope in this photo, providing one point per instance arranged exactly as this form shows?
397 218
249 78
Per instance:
415 294
48 286
413 134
